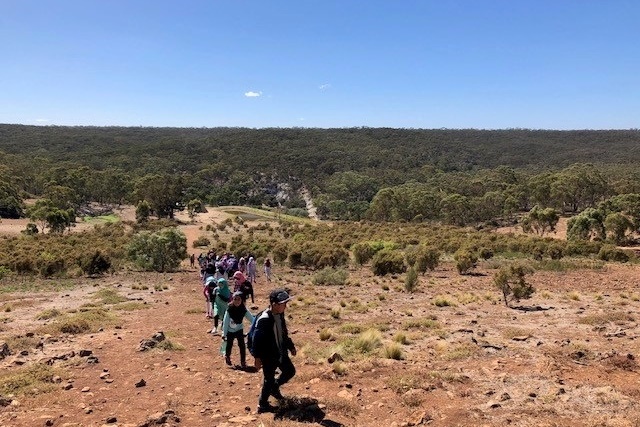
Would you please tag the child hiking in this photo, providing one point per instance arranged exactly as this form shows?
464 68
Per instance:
232 328
219 297
207 290
267 269
251 269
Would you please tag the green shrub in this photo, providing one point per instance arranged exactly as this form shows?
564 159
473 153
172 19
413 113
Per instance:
510 280
611 253
49 265
201 241
362 252
95 264
160 251
428 259
411 280
465 260
330 276
388 261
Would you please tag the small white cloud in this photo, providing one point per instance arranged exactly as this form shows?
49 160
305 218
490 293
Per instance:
324 86
252 94
42 120
301 119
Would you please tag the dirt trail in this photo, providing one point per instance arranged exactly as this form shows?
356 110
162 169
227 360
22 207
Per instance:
311 209
570 359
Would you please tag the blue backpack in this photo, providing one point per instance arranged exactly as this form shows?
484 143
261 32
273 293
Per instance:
252 333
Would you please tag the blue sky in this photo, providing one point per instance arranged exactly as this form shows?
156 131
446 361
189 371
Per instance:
541 64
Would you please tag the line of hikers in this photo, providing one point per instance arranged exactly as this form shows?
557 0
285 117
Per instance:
268 338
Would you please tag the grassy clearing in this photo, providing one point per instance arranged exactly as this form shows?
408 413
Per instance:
31 380
254 214
101 219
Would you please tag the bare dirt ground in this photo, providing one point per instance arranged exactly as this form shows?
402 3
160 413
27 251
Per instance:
567 358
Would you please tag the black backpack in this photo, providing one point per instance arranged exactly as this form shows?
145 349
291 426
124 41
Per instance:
252 333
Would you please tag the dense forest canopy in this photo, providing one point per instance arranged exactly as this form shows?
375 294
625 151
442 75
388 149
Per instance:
454 176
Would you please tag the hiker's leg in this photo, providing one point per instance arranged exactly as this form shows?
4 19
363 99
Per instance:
229 347
287 371
268 382
243 349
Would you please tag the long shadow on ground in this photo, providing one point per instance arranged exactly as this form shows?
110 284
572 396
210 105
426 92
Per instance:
304 409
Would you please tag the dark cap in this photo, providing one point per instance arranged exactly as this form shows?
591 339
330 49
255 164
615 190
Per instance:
237 294
279 296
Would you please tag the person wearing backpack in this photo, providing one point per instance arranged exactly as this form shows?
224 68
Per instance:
220 300
232 327
271 346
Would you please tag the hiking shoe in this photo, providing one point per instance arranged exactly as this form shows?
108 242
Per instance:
266 408
227 360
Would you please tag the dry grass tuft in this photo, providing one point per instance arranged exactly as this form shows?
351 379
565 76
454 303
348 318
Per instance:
32 380
617 317
49 313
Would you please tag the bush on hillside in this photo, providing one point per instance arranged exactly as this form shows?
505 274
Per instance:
510 280
411 280
611 253
388 261
95 264
465 261
428 259
330 276
160 251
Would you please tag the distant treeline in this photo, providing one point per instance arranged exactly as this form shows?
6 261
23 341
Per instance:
454 176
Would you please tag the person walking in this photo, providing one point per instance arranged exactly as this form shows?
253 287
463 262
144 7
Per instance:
243 285
232 327
271 347
267 269
220 300
251 269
